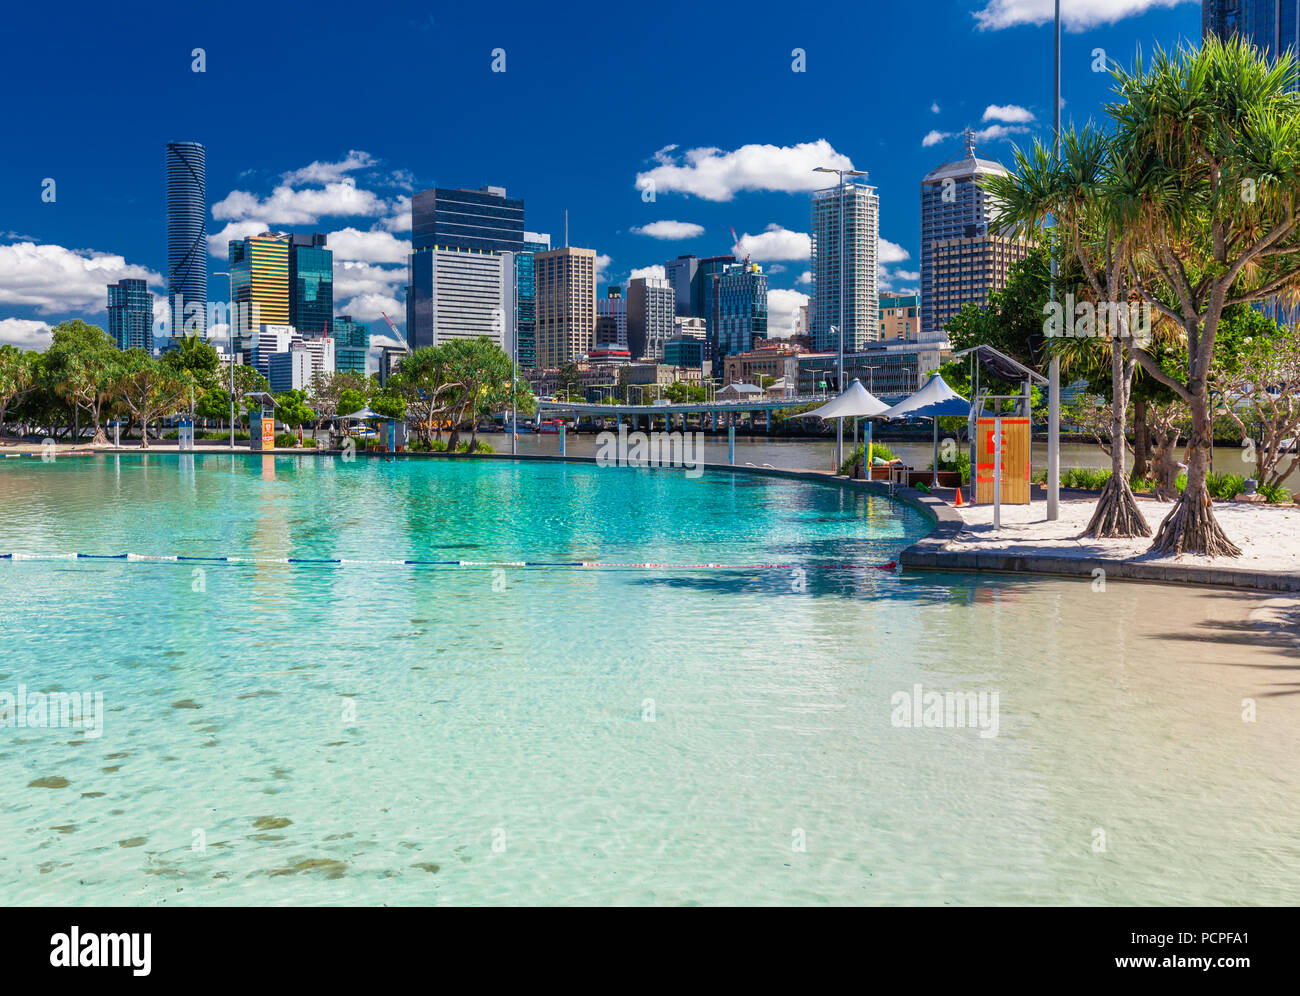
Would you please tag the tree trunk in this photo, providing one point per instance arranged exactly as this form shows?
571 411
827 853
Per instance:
1117 514
1141 440
1190 526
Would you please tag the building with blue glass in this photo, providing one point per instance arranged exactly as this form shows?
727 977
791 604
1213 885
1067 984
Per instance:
351 344
1272 26
130 315
311 284
484 219
740 308
526 289
187 237
703 288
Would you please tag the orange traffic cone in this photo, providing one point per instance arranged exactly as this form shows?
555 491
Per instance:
957 503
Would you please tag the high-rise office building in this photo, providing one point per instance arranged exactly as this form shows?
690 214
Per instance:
703 285
311 284
1272 26
484 219
853 306
187 238
526 285
611 318
351 344
566 304
259 283
680 274
650 314
130 315
962 261
741 308
460 294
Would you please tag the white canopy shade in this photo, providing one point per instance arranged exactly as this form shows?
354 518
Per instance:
855 402
934 398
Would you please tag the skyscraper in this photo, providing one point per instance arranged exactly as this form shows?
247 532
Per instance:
611 318
741 308
526 288
130 314
680 273
259 284
961 260
860 312
566 304
311 284
703 285
187 238
461 294
351 344
650 313
1272 26
484 219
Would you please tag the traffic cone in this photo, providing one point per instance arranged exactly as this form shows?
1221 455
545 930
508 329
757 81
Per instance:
957 503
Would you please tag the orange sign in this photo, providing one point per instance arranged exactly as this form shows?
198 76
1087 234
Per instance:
268 433
1015 461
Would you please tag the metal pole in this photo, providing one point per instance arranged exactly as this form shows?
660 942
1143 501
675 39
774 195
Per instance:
1054 367
839 337
997 473
514 367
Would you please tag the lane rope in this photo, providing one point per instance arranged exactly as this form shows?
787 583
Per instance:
349 562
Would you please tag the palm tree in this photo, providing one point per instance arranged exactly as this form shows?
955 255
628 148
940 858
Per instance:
1217 224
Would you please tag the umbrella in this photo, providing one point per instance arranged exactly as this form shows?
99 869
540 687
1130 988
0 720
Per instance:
363 414
856 402
934 399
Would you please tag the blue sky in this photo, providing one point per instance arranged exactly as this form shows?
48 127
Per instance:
326 116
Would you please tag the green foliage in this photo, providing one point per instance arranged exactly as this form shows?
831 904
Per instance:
350 400
1224 487
878 451
291 408
1275 494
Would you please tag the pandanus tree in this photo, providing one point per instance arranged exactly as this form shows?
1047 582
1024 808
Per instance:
17 377
1091 192
149 389
1218 224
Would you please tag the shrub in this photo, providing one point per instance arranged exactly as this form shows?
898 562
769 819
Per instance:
1225 487
877 450
289 440
1275 494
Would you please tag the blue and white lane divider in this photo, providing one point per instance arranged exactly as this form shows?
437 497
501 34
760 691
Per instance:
346 562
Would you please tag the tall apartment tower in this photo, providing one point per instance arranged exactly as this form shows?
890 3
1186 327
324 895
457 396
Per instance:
259 285
130 314
961 261
566 304
187 238
650 314
855 305
741 308
352 344
703 290
1272 26
680 273
311 285
526 295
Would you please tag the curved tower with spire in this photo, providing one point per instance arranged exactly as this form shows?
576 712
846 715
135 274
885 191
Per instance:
187 236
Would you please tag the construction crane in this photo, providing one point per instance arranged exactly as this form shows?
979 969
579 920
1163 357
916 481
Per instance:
737 242
396 335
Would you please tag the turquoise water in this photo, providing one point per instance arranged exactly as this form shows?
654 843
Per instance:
283 734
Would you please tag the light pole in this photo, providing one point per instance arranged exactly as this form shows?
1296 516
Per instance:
230 293
1054 366
839 330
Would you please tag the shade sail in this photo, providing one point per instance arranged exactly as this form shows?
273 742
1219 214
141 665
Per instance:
934 398
364 413
855 402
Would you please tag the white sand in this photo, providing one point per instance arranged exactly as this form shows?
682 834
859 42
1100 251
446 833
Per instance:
1268 535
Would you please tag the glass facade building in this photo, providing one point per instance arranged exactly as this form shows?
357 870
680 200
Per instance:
703 288
1272 26
259 283
741 308
484 219
351 344
187 237
130 315
311 284
526 289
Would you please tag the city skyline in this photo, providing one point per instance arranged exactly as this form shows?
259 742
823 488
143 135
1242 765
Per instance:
658 185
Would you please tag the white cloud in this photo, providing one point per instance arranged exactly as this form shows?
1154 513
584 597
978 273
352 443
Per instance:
319 172
773 243
934 138
358 279
892 252
53 279
219 242
1011 113
670 230
648 271
287 206
994 132
783 310
602 264
400 219
934 108
368 308
371 247
1078 15
805 277
716 175
25 333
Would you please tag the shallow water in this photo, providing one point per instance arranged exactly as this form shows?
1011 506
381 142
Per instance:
280 734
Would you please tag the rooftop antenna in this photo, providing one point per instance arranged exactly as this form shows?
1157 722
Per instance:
566 228
969 136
